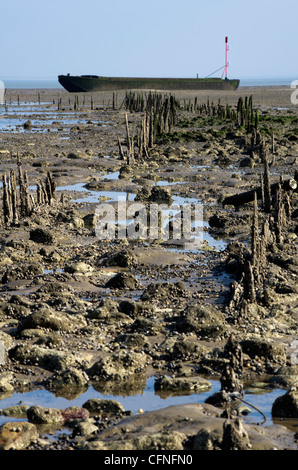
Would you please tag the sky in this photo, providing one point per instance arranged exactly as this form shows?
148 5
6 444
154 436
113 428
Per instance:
160 38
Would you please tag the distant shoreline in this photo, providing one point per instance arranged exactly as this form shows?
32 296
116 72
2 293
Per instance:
40 84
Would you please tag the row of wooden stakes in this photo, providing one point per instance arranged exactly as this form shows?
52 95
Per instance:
18 200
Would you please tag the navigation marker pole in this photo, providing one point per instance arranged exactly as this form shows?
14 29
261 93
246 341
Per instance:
226 63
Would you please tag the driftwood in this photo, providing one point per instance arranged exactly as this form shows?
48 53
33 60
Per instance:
248 196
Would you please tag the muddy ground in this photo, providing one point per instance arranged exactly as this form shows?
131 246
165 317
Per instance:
76 310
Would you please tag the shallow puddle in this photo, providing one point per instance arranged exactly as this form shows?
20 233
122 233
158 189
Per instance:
147 400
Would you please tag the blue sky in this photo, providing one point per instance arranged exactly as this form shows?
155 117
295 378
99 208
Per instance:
162 38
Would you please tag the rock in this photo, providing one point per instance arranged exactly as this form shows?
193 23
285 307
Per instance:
74 413
69 378
47 318
90 220
103 407
286 406
156 194
247 162
6 381
80 154
123 281
256 347
85 428
40 415
123 259
207 439
27 125
131 308
186 349
17 436
145 326
161 290
24 271
205 320
43 357
6 342
179 384
78 268
119 366
136 341
17 411
42 235
162 441
108 311
286 376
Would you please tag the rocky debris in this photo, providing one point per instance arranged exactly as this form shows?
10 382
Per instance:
70 380
156 194
43 357
256 347
108 311
182 384
65 330
120 366
102 406
122 259
17 436
205 320
46 317
42 235
286 406
41 415
164 290
123 281
14 273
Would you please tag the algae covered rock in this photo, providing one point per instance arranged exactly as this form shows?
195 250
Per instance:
205 320
286 406
119 366
102 406
182 384
17 436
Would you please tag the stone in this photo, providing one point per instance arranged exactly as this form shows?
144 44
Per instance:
123 259
123 281
205 320
23 271
286 406
6 381
41 415
49 359
17 436
46 317
120 366
257 347
78 268
206 439
285 376
102 406
178 384
42 235
69 378
161 290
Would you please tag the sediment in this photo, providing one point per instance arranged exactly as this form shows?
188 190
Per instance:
79 311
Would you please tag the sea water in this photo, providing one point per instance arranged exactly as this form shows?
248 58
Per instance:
27 83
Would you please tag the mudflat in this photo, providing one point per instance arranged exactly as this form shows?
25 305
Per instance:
78 309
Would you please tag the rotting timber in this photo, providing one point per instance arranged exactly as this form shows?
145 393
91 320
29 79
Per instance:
66 324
